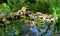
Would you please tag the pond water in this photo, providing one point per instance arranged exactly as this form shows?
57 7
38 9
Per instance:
45 30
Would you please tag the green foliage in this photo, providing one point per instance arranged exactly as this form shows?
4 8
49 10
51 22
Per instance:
33 7
42 5
16 25
55 6
4 10
16 4
48 6
59 22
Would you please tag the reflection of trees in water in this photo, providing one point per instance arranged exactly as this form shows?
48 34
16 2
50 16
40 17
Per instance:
46 29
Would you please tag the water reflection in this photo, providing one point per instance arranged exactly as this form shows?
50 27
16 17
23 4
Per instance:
32 30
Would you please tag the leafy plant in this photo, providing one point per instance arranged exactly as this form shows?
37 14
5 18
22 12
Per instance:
4 10
16 4
33 7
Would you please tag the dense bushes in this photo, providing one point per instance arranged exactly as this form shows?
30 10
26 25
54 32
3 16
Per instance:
15 4
34 5
45 6
39 5
5 10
